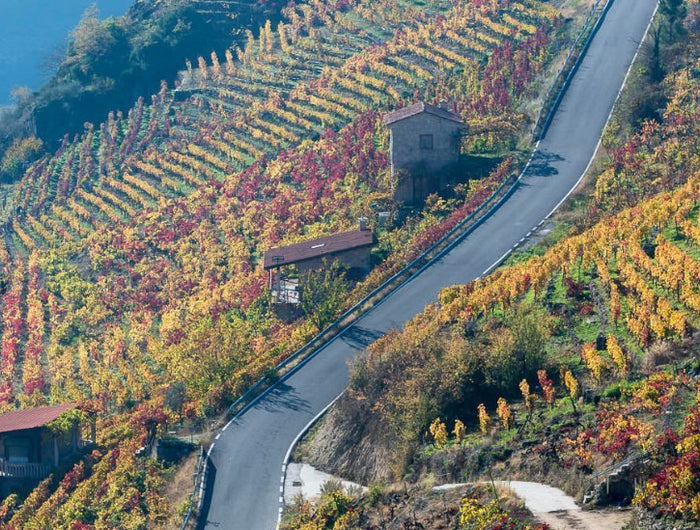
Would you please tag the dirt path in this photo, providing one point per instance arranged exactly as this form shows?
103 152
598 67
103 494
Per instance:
554 507
308 481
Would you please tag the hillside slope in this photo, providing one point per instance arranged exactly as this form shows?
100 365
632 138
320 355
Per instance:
109 64
572 366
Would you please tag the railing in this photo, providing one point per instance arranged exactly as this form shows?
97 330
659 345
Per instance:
31 470
566 72
444 244
437 250
427 258
198 490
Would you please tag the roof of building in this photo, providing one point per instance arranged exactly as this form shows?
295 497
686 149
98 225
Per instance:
18 420
419 108
316 248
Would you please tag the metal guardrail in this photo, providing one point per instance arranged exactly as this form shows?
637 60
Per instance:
566 72
380 293
198 481
392 283
424 260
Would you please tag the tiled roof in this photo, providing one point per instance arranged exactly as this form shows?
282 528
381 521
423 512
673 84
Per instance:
30 418
418 108
316 248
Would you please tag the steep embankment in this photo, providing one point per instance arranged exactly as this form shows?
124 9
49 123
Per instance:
246 456
574 367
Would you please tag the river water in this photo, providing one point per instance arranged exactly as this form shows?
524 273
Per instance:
31 31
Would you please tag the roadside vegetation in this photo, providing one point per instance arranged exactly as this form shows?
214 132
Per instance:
576 363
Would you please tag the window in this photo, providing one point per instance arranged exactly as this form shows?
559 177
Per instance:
17 449
426 142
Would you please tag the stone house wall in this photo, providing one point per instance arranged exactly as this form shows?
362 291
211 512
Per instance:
416 165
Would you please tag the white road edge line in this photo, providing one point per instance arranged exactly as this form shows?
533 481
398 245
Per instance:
486 272
294 443
495 264
597 148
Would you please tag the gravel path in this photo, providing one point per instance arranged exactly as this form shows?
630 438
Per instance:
560 511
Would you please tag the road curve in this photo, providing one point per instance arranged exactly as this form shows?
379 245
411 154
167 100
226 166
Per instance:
243 477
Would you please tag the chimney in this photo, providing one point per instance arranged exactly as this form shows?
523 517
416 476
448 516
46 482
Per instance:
444 105
363 223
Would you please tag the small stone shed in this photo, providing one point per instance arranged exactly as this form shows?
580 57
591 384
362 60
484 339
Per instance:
29 450
352 249
425 142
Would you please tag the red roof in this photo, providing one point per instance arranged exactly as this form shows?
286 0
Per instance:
419 108
324 246
30 418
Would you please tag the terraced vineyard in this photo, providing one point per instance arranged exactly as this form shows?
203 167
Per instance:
313 72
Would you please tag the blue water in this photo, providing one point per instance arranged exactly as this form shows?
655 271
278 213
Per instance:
31 30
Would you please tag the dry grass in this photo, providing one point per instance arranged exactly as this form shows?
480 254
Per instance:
179 487
574 8
666 352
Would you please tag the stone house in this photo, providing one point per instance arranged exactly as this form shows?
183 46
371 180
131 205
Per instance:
425 141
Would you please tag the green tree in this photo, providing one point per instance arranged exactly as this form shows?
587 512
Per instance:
674 12
93 40
438 431
517 347
322 293
21 153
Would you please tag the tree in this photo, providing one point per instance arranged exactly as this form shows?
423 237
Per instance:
230 65
322 293
548 391
438 431
618 355
572 386
203 69
530 331
674 12
21 153
460 430
89 37
594 361
528 397
269 38
505 414
215 66
175 397
484 419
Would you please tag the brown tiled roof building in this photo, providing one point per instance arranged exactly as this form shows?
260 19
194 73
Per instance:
420 108
18 420
317 249
29 450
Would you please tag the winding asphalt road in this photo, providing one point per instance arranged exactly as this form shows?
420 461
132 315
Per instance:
245 467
